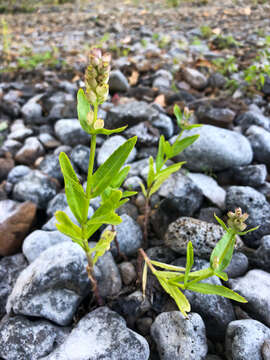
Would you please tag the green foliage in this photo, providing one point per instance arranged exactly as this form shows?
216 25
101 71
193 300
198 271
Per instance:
206 31
175 279
226 66
226 42
256 73
31 60
105 181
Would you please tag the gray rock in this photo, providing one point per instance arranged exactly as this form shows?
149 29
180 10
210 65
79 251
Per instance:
69 131
128 272
266 349
38 241
161 253
50 165
31 150
137 167
36 187
256 205
266 86
129 236
109 146
48 141
216 149
53 285
11 146
20 134
182 195
80 157
144 135
255 287
204 236
118 82
250 118
17 173
10 268
59 202
165 125
250 175
210 188
217 80
260 141
207 214
32 111
222 117
245 338
261 257
21 338
195 78
179 338
130 114
116 343
132 183
162 80
238 265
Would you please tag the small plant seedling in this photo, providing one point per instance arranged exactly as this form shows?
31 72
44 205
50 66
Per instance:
158 172
174 279
103 182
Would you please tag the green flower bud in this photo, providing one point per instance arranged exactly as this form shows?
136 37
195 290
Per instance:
237 220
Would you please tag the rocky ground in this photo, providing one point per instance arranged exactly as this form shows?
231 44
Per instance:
210 58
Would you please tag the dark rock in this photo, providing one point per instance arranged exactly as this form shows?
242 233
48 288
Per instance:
80 157
249 118
215 116
59 202
69 131
250 175
260 141
118 82
31 150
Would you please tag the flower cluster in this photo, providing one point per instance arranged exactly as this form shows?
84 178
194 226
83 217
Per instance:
97 77
237 220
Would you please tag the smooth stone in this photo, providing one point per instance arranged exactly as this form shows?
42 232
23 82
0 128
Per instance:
207 214
130 114
21 338
216 149
116 343
12 146
238 265
255 287
50 166
109 146
210 188
260 142
118 82
145 136
32 111
204 236
250 118
70 132
20 134
132 183
128 272
181 195
80 157
53 285
36 187
258 208
245 338
195 78
261 256
10 268
165 125
48 141
221 117
31 150
59 202
16 219
179 338
17 173
38 241
250 175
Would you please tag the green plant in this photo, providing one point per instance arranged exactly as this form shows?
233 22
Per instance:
6 39
226 66
103 182
257 72
174 279
30 60
206 31
158 172
225 42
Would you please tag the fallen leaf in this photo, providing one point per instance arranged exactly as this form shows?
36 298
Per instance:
160 100
133 79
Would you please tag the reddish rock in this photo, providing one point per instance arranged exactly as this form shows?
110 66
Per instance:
16 220
6 164
31 150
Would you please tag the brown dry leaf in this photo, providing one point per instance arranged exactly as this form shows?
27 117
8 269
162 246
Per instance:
160 100
216 31
204 63
133 79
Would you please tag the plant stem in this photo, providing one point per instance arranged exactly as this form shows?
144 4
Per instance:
91 165
90 272
147 260
146 220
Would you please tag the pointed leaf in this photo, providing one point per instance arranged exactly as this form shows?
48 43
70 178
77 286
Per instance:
103 244
83 108
160 154
103 131
189 261
221 223
151 172
67 227
222 253
167 266
105 174
144 278
129 193
120 178
180 145
143 189
220 290
76 198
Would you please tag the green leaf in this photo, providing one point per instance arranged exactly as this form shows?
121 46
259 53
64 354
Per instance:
221 223
189 261
221 275
108 218
106 173
107 207
83 108
248 231
143 189
121 176
222 253
180 145
103 131
178 114
169 275
103 244
220 290
76 198
67 227
167 266
160 154
151 172
129 193
167 149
